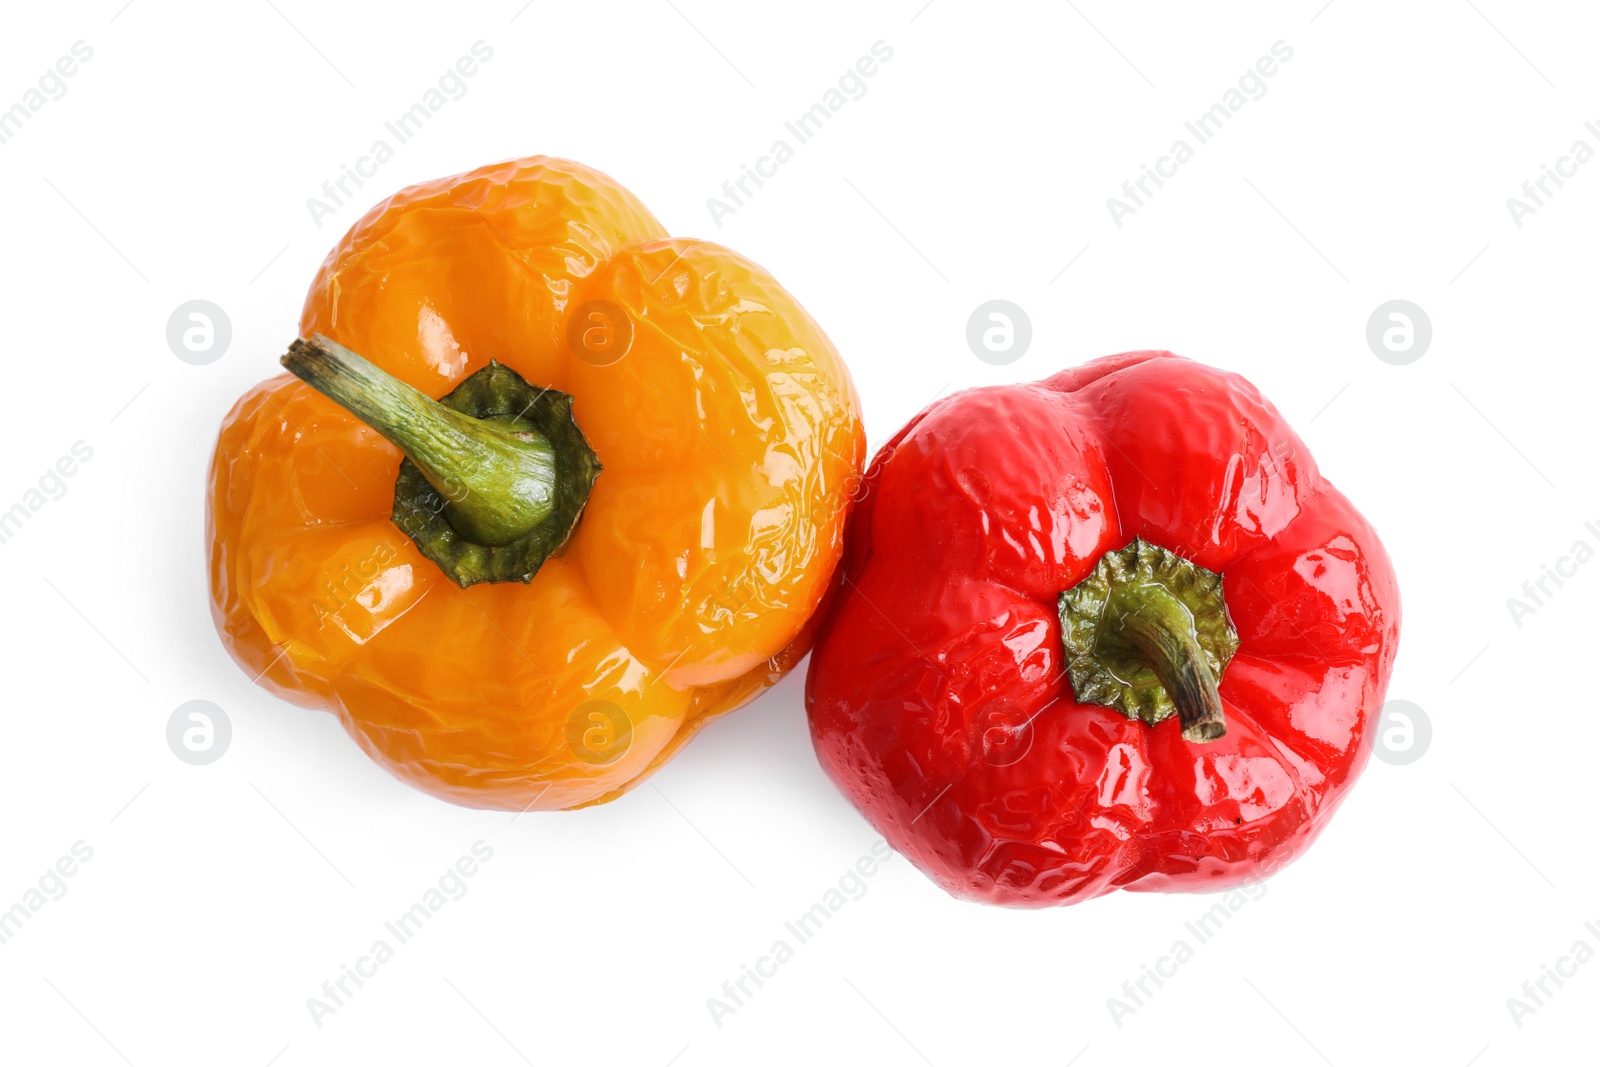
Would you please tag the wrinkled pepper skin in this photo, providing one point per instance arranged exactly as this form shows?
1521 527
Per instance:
937 692
729 435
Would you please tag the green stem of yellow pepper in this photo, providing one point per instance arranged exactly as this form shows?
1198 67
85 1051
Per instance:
498 472
497 475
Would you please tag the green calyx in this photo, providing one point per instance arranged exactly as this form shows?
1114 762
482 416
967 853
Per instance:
1148 633
496 473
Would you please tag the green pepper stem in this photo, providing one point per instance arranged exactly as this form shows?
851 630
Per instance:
497 476
1159 630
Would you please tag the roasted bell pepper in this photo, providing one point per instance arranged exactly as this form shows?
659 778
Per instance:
1111 630
615 526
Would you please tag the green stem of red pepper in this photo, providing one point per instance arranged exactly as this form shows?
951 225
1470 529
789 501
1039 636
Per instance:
1147 633
1155 626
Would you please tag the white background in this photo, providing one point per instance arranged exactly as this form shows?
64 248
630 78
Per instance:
977 166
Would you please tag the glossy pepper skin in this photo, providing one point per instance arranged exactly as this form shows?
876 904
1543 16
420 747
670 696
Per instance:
729 436
938 693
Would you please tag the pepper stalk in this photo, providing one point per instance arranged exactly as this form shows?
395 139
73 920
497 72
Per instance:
496 473
1147 633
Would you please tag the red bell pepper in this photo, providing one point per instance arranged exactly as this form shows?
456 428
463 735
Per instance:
1033 681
